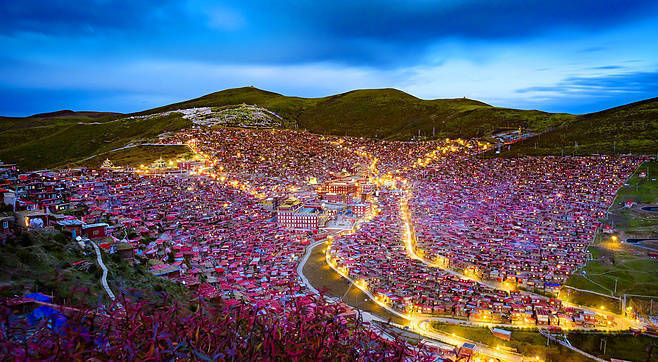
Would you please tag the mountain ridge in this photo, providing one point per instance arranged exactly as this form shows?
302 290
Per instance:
59 138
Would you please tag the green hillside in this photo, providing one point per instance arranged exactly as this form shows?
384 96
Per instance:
58 141
44 262
632 128
136 156
59 138
382 113
392 114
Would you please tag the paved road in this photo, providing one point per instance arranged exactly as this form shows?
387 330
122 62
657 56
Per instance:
366 316
427 331
369 294
129 146
99 259
479 347
445 340
300 267
621 323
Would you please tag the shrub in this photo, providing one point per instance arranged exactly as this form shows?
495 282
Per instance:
25 256
25 239
306 329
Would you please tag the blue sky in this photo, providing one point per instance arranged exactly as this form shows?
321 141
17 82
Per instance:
129 55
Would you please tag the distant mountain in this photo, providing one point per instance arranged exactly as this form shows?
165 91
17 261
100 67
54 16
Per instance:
70 113
55 139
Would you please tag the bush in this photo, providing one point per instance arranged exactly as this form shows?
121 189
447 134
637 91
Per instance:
306 329
24 239
24 256
62 238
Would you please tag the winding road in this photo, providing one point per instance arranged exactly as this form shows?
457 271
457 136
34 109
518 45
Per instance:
415 321
99 259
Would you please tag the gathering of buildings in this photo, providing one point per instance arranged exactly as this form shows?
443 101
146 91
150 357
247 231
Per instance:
233 221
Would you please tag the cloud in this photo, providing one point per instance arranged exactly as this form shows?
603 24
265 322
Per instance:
426 20
128 86
128 55
134 86
593 93
607 67
592 49
67 17
645 83
27 101
387 32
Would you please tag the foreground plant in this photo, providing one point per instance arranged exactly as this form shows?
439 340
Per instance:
307 328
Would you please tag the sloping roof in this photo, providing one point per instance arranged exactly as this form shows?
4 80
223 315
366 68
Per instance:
87 226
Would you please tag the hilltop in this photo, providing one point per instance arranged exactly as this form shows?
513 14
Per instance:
59 138
381 113
70 113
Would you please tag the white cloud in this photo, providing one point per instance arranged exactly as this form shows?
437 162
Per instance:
487 71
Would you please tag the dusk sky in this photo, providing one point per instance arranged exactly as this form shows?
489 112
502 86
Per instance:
129 55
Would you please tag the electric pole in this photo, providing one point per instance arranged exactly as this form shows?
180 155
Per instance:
616 279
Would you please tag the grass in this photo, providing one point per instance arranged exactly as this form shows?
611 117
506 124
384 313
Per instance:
135 156
125 276
627 265
66 142
642 190
634 271
531 343
527 343
43 262
632 128
38 262
37 142
589 299
620 346
382 113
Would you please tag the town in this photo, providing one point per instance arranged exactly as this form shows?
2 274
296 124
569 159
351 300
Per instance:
436 181
427 229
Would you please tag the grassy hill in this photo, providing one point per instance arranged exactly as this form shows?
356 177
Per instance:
38 143
43 262
70 113
381 113
632 128
58 138
136 156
